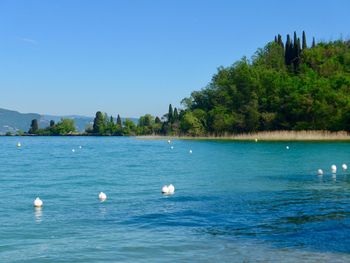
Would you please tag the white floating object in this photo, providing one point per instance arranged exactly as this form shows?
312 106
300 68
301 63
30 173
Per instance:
320 172
334 169
102 196
169 141
171 189
172 147
345 167
73 150
190 151
19 144
256 139
287 147
38 202
80 147
165 189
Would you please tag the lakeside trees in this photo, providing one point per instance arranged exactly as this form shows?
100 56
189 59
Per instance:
282 87
63 127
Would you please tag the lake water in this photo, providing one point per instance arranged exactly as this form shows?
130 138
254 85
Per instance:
234 201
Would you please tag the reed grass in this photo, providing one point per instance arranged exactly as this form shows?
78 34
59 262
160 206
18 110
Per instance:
268 136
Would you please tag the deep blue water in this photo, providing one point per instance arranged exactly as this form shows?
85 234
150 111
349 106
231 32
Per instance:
234 201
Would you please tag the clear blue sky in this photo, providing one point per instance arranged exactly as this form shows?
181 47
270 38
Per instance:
135 57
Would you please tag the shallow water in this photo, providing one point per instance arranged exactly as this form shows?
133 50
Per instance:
234 201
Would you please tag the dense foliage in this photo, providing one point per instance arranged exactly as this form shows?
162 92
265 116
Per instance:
282 87
63 127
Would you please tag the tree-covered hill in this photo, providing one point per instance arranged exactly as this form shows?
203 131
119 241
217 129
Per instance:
282 87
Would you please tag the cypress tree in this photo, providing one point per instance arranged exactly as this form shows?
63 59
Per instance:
157 120
34 127
297 49
52 123
294 47
295 39
313 42
170 113
287 54
296 59
304 40
280 42
176 115
275 39
99 122
119 121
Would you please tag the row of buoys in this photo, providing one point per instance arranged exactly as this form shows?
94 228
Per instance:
190 151
256 140
39 203
73 150
333 169
166 190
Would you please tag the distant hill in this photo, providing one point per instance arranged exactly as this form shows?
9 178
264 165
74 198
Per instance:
14 121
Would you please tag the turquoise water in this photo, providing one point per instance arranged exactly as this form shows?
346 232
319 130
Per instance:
234 201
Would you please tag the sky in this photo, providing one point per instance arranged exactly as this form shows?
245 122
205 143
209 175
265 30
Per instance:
132 57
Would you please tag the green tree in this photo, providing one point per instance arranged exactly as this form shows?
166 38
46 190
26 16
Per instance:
34 127
191 125
288 51
304 41
129 127
170 113
119 121
313 42
176 115
64 127
99 124
111 127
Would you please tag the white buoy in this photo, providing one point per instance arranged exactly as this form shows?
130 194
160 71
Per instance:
169 141
256 139
320 172
102 196
345 167
334 169
172 147
171 189
38 202
190 151
80 147
287 147
165 189
73 150
19 144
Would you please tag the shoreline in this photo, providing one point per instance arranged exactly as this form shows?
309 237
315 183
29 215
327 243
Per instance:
268 136
263 136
